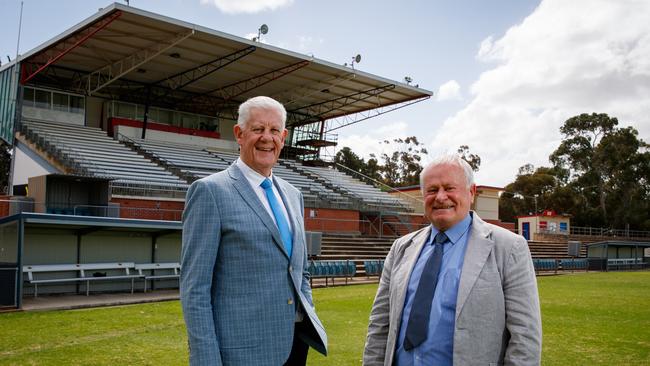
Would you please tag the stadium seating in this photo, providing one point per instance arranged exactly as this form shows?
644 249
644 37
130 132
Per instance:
574 264
331 269
89 151
372 198
373 267
545 265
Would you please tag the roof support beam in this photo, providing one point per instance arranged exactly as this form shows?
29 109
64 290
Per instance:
44 59
224 95
318 111
238 88
340 121
104 76
185 78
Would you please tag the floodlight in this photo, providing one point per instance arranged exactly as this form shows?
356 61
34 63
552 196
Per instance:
355 59
408 79
263 29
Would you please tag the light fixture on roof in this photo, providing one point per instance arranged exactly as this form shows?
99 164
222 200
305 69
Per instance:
355 60
263 29
175 55
408 80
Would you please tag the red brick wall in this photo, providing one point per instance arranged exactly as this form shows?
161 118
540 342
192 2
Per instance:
4 205
331 220
327 220
149 209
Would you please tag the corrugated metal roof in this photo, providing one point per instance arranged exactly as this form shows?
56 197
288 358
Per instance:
181 67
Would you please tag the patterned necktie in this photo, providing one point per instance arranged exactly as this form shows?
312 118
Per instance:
280 219
418 324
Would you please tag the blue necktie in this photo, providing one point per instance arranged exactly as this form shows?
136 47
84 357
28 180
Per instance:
418 324
280 219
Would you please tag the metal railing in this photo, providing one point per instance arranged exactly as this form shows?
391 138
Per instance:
593 231
413 200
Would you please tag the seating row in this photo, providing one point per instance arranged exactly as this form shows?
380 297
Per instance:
565 264
373 267
92 272
332 269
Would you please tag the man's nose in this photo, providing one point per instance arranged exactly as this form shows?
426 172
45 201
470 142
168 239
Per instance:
441 195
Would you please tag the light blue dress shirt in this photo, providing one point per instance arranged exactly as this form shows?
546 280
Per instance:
438 348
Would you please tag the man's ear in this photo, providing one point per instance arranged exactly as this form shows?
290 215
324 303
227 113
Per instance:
472 190
237 131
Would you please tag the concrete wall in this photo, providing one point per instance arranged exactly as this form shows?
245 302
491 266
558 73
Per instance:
53 115
94 112
58 246
29 164
136 133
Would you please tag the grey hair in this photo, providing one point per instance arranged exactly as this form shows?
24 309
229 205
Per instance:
260 102
449 159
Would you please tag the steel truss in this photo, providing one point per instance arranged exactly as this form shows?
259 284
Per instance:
106 75
185 78
318 111
334 123
35 64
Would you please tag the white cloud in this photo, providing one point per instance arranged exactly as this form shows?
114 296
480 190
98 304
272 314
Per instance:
448 91
247 6
369 142
559 62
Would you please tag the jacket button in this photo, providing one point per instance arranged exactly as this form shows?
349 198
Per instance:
290 269
290 301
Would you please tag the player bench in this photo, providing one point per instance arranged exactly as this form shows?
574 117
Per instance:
158 271
85 272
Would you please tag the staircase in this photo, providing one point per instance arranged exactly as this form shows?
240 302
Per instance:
354 248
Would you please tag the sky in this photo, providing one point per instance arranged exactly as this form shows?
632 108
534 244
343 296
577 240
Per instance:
505 73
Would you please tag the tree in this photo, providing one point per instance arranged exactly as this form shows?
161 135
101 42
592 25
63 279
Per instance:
5 166
402 167
607 169
533 191
472 159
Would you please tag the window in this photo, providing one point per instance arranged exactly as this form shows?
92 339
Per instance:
76 104
43 99
28 97
60 102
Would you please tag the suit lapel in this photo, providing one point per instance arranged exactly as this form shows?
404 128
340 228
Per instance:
249 196
408 258
479 246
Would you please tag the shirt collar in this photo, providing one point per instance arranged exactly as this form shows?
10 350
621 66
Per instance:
251 175
455 233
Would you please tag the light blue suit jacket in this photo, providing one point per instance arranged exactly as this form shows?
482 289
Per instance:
239 289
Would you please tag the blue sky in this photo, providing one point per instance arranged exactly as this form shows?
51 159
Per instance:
506 73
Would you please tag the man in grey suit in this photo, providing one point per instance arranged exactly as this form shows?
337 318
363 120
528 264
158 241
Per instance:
458 292
244 283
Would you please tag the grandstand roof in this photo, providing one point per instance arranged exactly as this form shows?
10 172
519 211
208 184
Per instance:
130 54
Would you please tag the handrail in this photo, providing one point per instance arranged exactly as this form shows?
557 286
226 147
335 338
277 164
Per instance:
392 189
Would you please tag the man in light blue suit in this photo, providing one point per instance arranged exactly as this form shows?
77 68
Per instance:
244 283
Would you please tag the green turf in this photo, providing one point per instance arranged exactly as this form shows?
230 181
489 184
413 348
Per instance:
588 319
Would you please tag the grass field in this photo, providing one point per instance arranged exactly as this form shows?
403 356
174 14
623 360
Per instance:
588 319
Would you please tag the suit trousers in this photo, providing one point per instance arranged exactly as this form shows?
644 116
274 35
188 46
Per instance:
299 350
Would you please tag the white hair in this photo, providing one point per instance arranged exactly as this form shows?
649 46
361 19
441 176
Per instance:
449 159
260 102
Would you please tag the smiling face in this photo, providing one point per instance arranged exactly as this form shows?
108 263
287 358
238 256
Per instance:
261 139
447 198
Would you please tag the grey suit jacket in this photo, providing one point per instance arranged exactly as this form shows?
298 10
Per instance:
239 289
498 319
